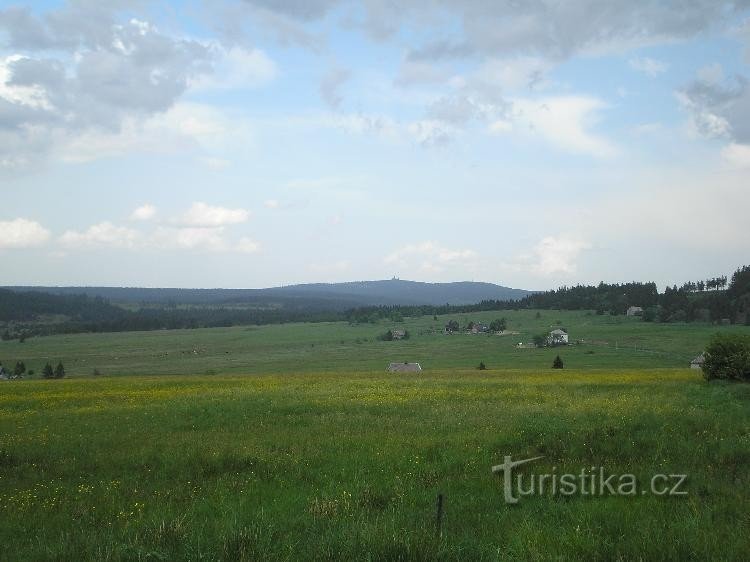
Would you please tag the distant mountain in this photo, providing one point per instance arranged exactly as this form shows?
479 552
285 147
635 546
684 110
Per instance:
396 291
337 296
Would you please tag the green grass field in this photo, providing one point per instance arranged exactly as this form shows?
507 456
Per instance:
301 447
348 466
610 342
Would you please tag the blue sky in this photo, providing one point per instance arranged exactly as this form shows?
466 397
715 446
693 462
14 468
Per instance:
250 143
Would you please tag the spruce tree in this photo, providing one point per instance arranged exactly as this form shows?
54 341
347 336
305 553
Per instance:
47 372
59 371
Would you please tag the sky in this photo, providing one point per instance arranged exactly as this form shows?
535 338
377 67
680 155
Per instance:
255 143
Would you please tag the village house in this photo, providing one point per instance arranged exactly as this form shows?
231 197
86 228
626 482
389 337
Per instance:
634 311
557 337
398 334
479 328
698 362
404 367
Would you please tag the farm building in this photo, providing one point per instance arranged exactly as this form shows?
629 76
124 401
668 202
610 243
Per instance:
634 311
404 367
697 363
479 328
398 334
557 337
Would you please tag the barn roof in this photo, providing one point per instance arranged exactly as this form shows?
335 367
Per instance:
404 367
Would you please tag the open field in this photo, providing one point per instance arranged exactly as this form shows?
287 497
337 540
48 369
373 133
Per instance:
610 342
348 466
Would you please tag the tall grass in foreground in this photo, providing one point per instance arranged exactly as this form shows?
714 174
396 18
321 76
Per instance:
341 467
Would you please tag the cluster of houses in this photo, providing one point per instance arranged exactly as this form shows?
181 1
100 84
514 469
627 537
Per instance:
556 337
472 328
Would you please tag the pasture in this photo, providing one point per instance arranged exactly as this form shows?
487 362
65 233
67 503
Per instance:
609 342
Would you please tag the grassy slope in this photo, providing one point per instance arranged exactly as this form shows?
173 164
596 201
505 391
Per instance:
612 342
344 466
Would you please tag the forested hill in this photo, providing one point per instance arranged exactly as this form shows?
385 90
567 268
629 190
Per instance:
333 296
28 311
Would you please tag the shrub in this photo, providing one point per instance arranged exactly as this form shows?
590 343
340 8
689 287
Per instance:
482 366
557 363
728 357
540 340
388 336
498 325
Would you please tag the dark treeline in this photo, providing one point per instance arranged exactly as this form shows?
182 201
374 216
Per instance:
29 306
25 314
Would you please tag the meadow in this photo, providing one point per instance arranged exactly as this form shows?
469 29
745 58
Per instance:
291 443
337 466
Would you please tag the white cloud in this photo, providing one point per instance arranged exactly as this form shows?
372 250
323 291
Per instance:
564 122
102 234
216 163
501 126
649 66
557 255
211 239
202 215
247 245
737 155
22 233
237 68
513 73
85 69
711 73
33 96
201 238
184 129
429 256
143 213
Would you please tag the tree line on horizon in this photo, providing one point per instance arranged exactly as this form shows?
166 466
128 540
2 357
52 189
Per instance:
28 314
688 303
